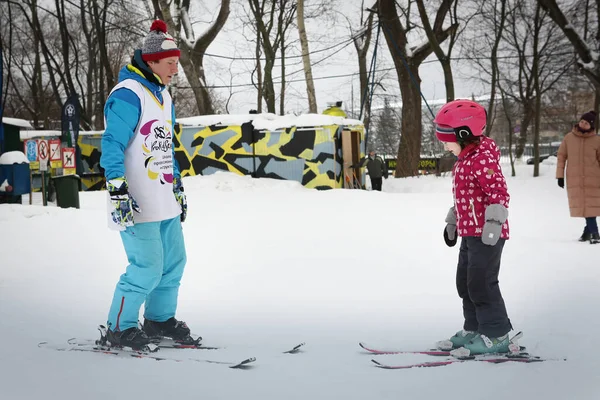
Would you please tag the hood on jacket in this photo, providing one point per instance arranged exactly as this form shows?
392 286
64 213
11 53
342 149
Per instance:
485 146
139 71
577 132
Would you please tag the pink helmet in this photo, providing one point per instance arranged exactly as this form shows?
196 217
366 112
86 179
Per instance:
460 119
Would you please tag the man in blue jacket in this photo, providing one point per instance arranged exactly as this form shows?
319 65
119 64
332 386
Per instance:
147 203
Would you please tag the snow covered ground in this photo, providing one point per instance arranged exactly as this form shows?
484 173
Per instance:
272 264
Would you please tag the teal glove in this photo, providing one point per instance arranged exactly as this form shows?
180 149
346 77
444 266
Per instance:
180 196
123 203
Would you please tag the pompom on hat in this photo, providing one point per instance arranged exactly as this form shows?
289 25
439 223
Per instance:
158 43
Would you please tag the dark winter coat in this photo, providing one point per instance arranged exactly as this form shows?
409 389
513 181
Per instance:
477 183
376 167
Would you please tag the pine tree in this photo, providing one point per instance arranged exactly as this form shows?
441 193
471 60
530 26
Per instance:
386 137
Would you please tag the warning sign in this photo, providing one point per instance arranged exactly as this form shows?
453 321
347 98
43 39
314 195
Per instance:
43 150
43 154
55 156
68 159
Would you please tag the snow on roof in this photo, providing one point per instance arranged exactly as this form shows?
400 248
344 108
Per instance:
13 157
268 121
38 134
17 122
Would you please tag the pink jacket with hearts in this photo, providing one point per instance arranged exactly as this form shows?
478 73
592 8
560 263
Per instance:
477 183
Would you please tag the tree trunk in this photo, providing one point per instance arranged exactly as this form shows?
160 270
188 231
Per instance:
268 87
528 110
410 141
282 89
362 44
310 85
494 61
66 44
535 70
100 24
259 77
410 83
507 113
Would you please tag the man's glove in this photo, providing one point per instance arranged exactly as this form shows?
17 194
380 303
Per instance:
495 216
122 201
450 229
180 196
561 182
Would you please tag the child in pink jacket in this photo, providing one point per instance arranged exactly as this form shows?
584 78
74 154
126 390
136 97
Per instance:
479 217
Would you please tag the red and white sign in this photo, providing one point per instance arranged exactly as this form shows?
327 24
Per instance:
54 149
68 157
43 150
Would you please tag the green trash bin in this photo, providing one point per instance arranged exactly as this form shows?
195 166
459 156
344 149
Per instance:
67 190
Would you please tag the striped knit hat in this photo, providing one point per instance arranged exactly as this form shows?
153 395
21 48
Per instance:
159 44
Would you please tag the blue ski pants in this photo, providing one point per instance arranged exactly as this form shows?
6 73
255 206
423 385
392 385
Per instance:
157 257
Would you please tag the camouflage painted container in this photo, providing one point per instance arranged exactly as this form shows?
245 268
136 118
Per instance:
311 155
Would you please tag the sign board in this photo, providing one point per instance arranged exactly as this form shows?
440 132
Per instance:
43 154
68 160
31 151
55 156
391 164
430 164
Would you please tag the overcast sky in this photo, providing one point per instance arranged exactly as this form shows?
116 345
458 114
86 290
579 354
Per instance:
333 57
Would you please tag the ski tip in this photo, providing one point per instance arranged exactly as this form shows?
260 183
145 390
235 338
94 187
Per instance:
376 362
41 344
243 364
295 349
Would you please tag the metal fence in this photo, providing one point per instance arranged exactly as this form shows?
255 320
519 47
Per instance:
545 149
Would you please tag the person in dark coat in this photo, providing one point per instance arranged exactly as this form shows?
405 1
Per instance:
377 169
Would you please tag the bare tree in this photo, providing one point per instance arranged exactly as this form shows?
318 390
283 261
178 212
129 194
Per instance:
433 39
362 43
586 47
495 15
273 18
541 53
310 85
192 48
407 60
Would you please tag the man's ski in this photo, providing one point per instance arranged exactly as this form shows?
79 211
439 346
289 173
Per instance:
151 353
495 359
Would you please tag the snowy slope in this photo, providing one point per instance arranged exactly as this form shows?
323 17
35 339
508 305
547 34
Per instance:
272 264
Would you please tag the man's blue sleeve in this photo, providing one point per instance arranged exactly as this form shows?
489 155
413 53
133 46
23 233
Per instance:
176 171
122 112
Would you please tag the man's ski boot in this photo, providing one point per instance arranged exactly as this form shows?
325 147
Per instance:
594 238
459 339
178 331
134 338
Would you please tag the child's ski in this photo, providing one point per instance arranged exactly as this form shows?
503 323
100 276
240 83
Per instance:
495 359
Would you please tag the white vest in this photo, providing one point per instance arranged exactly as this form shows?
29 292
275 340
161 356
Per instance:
149 158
